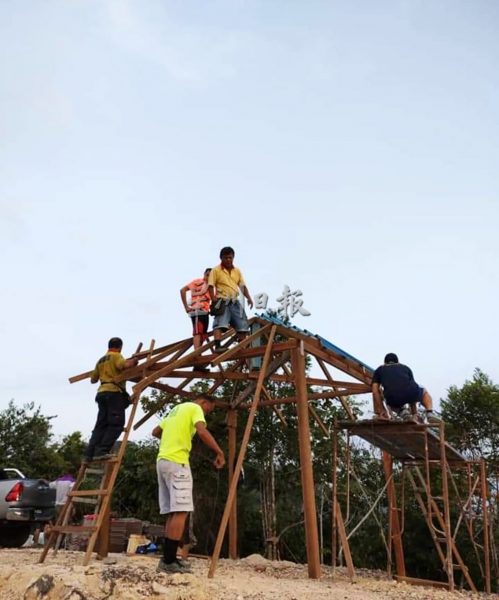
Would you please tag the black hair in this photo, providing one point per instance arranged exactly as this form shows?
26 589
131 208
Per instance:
391 358
116 343
226 250
207 270
206 397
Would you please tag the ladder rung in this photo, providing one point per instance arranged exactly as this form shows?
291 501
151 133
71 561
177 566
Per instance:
85 500
94 472
84 493
73 528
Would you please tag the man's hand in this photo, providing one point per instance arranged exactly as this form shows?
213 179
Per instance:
219 461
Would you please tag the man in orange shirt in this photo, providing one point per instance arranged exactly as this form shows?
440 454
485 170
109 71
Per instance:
198 308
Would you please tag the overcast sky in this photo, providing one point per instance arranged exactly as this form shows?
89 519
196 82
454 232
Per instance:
348 149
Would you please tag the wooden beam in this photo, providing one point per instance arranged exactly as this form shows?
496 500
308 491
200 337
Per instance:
232 427
307 475
313 347
277 362
344 403
318 420
240 458
229 354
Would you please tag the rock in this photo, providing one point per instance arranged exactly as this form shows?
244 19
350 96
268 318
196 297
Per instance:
39 588
256 560
159 589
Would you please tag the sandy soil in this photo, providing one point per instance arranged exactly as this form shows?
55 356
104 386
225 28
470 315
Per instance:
63 577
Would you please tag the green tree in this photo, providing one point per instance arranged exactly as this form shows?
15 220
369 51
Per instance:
26 441
472 417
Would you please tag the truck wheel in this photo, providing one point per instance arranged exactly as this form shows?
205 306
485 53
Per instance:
14 537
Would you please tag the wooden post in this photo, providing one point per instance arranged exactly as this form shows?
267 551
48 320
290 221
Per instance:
232 426
242 453
307 474
334 499
486 530
393 516
447 523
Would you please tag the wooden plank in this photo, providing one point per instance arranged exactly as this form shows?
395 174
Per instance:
73 528
240 459
423 582
231 352
307 475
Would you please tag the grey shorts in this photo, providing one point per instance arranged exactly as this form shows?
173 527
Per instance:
174 486
233 315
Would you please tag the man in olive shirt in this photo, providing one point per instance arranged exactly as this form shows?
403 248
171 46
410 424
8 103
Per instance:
176 431
111 399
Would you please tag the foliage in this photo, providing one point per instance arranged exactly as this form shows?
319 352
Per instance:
472 417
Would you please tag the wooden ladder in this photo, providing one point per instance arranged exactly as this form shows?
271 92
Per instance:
99 497
432 512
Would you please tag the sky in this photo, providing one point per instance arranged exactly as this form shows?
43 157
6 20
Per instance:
348 149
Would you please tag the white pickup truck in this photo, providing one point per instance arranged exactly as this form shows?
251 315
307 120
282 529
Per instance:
24 505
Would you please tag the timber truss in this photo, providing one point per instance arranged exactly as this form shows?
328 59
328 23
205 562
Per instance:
276 352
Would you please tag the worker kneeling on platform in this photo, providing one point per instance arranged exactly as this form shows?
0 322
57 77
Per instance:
395 382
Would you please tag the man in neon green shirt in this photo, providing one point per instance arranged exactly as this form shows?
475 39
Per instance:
176 431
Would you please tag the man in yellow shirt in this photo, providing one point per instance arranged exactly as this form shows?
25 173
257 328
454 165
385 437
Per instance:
225 283
111 399
176 431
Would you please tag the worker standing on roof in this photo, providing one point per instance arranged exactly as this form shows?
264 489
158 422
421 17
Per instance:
226 282
112 400
198 309
176 431
396 383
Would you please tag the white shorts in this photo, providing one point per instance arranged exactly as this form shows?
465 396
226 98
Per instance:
174 486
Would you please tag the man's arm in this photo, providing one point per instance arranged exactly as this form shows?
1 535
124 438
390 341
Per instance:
378 406
156 432
247 295
94 378
183 296
210 441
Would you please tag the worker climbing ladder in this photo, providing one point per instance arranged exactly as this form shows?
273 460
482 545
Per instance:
107 471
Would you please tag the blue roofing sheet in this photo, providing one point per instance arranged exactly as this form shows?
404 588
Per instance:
325 343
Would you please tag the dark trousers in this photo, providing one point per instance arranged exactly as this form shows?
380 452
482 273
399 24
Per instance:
109 424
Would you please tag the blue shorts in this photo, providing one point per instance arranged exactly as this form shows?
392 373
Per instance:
412 396
233 315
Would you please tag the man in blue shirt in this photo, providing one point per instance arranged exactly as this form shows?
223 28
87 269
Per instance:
395 383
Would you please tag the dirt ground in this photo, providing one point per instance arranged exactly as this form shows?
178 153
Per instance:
122 577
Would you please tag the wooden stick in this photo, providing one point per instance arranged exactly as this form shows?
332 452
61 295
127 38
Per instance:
240 458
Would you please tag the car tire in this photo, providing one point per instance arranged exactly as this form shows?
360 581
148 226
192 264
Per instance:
14 537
